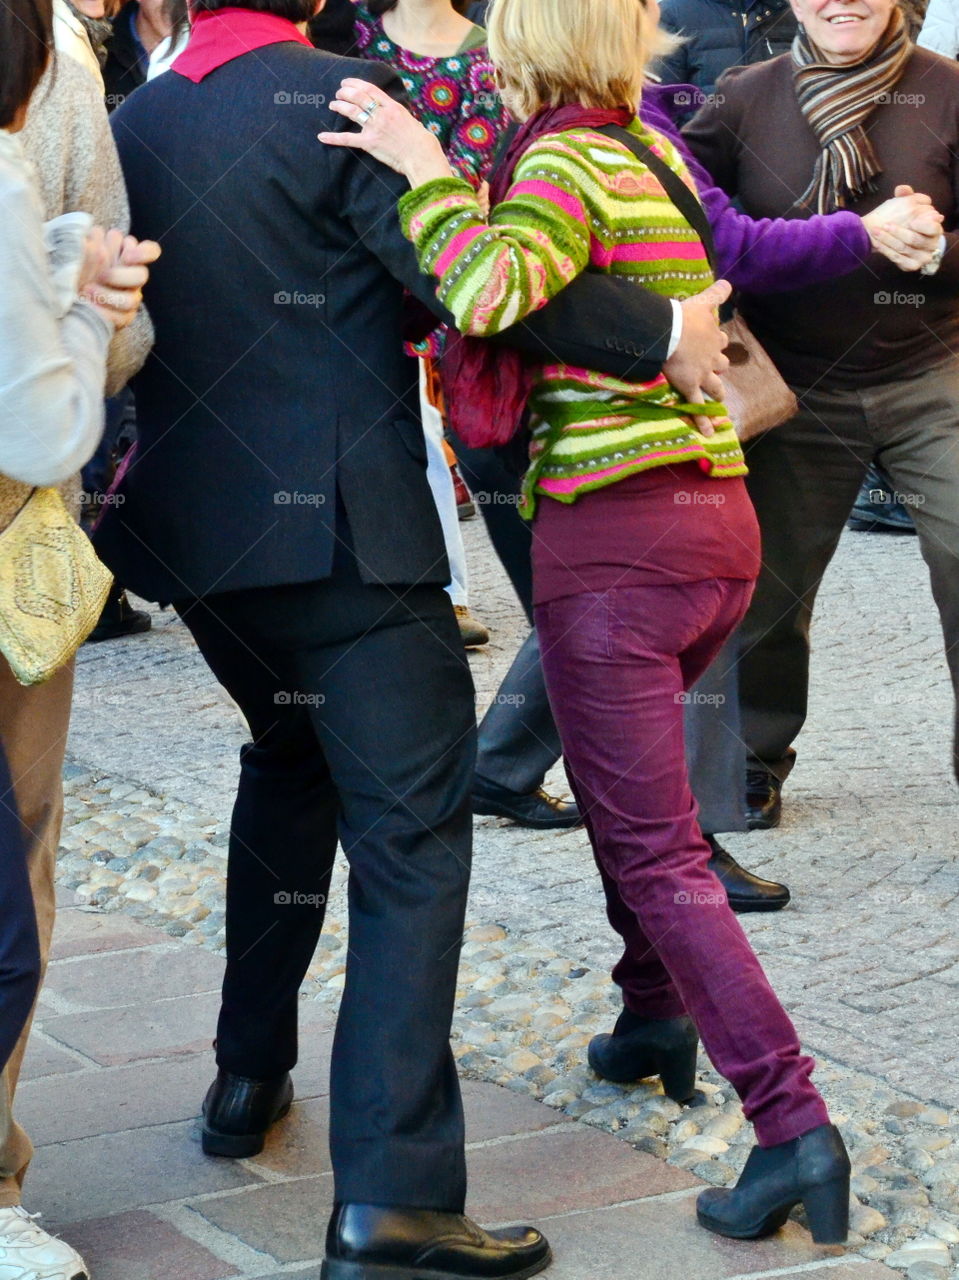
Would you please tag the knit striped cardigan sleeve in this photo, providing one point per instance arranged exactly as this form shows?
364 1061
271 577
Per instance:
537 240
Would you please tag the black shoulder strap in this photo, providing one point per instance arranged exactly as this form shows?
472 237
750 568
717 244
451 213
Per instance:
682 197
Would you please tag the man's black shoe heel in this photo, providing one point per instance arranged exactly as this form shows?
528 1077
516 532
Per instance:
644 1047
812 1170
238 1112
334 1270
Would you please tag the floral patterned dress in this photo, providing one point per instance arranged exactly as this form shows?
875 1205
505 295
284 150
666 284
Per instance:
455 97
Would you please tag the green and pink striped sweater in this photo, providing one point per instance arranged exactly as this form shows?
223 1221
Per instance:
578 200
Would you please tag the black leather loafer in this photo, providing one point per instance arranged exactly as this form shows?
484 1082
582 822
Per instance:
369 1242
812 1169
644 1047
744 891
764 804
238 1113
537 810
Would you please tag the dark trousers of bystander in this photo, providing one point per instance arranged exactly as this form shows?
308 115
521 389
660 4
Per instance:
360 707
803 480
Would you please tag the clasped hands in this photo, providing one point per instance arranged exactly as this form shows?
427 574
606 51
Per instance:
906 229
113 273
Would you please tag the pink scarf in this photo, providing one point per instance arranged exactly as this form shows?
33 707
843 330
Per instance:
225 34
486 387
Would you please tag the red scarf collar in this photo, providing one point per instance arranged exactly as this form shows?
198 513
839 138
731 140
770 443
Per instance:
225 34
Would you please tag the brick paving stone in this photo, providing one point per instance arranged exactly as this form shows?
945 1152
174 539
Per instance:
141 1246
286 1221
659 1240
556 1171
45 1059
114 1099
116 1036
299 1147
494 1112
102 1176
84 932
124 978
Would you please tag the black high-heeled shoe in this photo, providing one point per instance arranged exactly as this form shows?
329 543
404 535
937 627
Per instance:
644 1047
812 1169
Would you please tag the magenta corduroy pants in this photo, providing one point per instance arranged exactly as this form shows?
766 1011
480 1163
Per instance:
619 665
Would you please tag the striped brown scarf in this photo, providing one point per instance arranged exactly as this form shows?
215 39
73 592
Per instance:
836 102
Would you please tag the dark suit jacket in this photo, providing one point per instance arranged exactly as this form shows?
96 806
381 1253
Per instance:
278 381
278 378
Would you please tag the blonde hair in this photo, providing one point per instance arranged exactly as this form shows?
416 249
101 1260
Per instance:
550 53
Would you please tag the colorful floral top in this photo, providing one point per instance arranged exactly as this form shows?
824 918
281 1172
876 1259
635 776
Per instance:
454 97
578 199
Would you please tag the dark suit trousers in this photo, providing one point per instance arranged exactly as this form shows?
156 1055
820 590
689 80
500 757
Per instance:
803 480
360 706
518 739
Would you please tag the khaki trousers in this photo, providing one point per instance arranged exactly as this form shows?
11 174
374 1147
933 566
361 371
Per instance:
33 730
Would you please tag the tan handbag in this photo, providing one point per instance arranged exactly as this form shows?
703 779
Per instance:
755 392
52 588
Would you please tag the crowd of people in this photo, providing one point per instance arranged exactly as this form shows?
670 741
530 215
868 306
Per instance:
387 246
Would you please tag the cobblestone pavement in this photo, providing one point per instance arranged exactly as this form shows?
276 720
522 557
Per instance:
866 959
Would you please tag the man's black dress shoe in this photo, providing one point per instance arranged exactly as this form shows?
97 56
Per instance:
238 1112
813 1168
744 891
369 1242
644 1047
538 810
764 802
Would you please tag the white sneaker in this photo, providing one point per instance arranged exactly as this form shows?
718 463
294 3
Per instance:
27 1252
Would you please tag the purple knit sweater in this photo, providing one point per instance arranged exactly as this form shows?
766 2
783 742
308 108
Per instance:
760 255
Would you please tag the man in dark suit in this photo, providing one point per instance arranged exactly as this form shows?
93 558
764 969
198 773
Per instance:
279 499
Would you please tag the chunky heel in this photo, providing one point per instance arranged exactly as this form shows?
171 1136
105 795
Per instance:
812 1169
644 1047
827 1211
678 1074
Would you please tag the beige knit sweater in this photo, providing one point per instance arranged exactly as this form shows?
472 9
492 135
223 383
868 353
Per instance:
67 137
